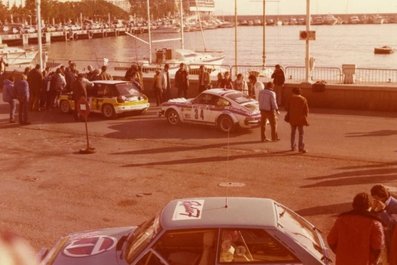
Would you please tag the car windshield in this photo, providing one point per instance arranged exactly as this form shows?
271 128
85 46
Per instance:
238 97
127 90
141 238
301 230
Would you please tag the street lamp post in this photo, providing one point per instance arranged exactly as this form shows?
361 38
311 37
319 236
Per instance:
39 39
235 36
307 56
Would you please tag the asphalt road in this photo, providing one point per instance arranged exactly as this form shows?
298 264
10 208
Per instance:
49 190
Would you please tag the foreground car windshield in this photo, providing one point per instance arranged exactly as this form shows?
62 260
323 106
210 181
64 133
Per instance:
127 90
302 231
141 238
238 97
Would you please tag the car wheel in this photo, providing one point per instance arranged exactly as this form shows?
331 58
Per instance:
108 111
225 123
173 117
64 106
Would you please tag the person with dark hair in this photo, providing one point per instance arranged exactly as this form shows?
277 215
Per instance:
130 72
9 95
385 207
158 87
297 112
256 86
240 84
204 79
35 80
182 80
166 82
269 109
219 80
357 236
104 75
278 81
227 81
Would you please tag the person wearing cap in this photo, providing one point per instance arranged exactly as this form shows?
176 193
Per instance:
297 112
357 236
269 109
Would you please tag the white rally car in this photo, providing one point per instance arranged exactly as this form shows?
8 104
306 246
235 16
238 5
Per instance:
226 109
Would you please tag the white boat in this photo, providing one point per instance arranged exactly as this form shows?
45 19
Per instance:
189 57
16 56
330 20
166 29
377 19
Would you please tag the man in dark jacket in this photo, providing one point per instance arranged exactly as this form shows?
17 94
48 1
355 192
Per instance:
35 80
182 80
278 81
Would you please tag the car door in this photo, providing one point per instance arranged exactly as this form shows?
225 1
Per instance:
201 111
97 101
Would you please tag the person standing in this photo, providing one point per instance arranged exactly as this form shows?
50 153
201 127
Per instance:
240 84
104 75
182 80
278 81
227 81
35 80
385 207
219 80
158 87
9 95
357 236
297 111
130 72
166 82
269 109
70 76
204 79
256 86
22 92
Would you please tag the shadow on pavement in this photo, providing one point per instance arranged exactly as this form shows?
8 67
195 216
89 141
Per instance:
365 176
220 158
333 209
373 133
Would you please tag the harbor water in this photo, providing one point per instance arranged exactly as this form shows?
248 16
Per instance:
334 46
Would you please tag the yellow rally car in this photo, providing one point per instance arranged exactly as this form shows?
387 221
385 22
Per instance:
109 97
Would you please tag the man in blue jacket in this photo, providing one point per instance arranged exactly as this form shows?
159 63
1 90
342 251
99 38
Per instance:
22 92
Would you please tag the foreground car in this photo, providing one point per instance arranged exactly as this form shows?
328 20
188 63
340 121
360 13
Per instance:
225 109
201 231
109 97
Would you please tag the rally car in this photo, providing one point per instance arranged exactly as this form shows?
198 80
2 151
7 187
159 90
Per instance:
201 231
109 97
226 109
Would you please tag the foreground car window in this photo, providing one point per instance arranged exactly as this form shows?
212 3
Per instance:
186 247
141 238
252 246
300 229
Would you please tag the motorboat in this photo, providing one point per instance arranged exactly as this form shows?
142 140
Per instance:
383 50
167 29
16 56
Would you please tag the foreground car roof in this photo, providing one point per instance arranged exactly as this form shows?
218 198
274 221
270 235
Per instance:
213 212
219 91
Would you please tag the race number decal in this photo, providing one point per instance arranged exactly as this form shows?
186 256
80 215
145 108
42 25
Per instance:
188 210
196 114
89 246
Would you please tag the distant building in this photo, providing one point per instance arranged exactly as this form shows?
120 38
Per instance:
11 3
123 4
202 5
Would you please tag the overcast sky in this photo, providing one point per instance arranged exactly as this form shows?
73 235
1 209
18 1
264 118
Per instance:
274 7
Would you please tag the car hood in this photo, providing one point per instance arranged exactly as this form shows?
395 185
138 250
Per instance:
97 247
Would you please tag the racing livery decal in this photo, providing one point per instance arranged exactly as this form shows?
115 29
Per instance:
89 246
188 210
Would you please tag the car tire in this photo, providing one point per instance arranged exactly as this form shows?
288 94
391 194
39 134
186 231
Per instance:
108 111
226 124
64 106
172 117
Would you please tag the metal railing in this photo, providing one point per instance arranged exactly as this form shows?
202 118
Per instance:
375 76
328 74
296 74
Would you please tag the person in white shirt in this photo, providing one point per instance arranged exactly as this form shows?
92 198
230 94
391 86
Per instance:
257 86
269 108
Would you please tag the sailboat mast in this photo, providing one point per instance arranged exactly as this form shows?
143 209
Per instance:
149 30
181 16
